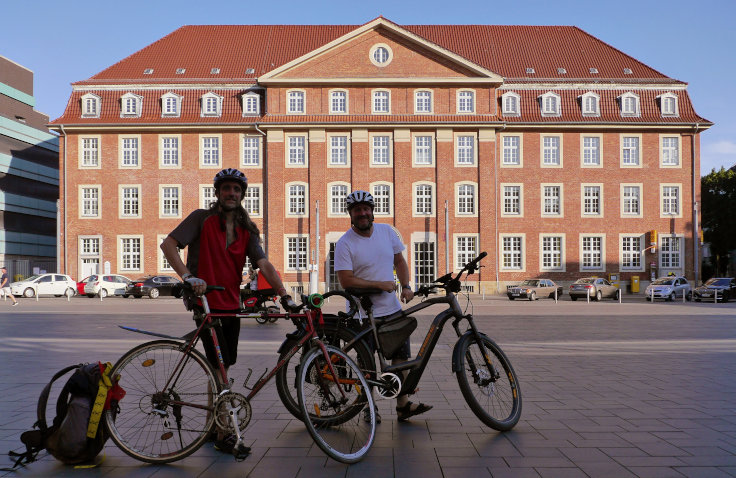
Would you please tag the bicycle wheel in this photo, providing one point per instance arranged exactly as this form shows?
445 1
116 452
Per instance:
331 334
495 399
331 404
156 425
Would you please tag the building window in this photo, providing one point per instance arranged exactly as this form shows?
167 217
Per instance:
511 200
380 54
380 150
381 102
671 200
382 199
338 150
592 252
170 105
670 256
252 200
297 198
466 199
589 102
297 151
466 249
465 101
424 200
423 149
592 200
424 263
668 104
338 204
163 263
170 201
551 253
510 104
251 151
423 101
90 152
90 201
130 152
211 105
631 253
130 253
511 150
295 102
631 197
550 104
551 151
251 104
131 105
630 150
465 150
130 201
90 246
90 106
551 200
210 151
670 150
296 253
208 196
591 151
511 252
629 104
170 151
338 102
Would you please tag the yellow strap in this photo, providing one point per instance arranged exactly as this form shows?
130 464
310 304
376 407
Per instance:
97 409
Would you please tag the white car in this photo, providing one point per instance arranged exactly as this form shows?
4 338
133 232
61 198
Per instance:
669 288
110 284
45 284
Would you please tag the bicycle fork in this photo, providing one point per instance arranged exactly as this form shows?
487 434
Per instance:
477 376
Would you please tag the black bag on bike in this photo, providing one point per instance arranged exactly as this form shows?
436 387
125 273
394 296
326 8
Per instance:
392 335
76 434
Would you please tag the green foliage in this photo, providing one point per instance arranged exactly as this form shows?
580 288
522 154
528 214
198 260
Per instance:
718 192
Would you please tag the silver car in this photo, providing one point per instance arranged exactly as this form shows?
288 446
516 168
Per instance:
669 288
597 287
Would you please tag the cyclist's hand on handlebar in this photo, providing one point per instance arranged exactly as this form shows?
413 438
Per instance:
199 286
288 304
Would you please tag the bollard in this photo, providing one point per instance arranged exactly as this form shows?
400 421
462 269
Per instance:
683 296
587 292
652 294
555 295
35 289
715 296
620 296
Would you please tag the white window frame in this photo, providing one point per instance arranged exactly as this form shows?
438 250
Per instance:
624 148
519 150
121 253
97 201
550 104
166 111
123 149
672 156
94 254
503 251
288 146
636 252
585 104
258 201
206 195
664 200
254 153
583 213
462 257
162 200
430 148
667 253
389 150
131 105
372 54
296 102
377 198
91 105
506 108
123 200
330 138
669 105
462 100
626 200
544 148
162 151
339 102
421 97
336 199
205 150
584 149
629 104
163 265
461 151
601 267
207 101
473 200
543 203
415 199
90 157
374 94
295 200
562 267
251 103
302 244
505 189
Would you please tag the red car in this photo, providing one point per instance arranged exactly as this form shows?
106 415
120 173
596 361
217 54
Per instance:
81 284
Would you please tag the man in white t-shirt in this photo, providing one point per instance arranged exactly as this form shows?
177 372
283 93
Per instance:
365 257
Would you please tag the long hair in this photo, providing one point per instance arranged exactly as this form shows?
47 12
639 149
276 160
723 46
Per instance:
242 218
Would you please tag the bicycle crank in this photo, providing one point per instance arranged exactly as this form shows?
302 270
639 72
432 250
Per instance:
391 385
231 408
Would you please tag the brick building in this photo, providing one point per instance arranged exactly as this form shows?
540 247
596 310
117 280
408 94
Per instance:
549 149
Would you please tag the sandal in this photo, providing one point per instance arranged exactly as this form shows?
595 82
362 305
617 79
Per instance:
406 412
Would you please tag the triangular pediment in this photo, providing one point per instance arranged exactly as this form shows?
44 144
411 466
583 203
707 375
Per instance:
407 58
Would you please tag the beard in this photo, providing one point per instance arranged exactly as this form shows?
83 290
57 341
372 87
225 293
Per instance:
368 223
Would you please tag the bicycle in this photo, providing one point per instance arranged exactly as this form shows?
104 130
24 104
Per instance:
175 399
257 302
488 382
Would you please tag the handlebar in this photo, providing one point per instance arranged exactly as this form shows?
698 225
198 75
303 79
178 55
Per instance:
448 282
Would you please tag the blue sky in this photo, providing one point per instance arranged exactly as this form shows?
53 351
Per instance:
64 42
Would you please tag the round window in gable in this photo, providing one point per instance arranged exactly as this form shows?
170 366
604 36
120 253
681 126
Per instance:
381 54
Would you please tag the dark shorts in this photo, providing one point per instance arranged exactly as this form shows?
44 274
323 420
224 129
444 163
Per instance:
227 337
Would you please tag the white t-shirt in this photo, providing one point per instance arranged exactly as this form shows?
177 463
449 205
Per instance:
371 258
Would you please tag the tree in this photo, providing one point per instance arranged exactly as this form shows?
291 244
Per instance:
718 190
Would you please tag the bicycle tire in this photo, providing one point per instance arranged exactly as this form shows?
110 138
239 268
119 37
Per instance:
286 376
158 437
498 403
334 421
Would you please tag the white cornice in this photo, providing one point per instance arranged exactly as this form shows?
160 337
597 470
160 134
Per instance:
384 81
172 86
592 86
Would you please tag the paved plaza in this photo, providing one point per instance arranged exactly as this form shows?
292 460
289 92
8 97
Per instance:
609 390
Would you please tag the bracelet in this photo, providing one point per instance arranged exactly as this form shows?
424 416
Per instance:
406 286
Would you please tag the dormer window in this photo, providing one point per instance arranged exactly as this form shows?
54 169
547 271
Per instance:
668 104
90 106
550 103
131 105
510 104
170 105
590 104
629 104
295 102
251 103
211 105
338 102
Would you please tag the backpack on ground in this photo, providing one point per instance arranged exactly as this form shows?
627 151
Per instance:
76 434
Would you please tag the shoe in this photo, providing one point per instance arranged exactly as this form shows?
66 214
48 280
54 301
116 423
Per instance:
406 412
367 416
227 445
14 304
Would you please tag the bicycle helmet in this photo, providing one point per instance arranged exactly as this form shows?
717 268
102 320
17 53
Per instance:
231 174
357 197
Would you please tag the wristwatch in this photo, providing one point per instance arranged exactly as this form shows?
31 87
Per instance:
406 286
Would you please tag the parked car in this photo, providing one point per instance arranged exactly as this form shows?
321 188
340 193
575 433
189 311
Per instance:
45 284
81 284
111 284
669 288
726 287
152 286
533 289
598 287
